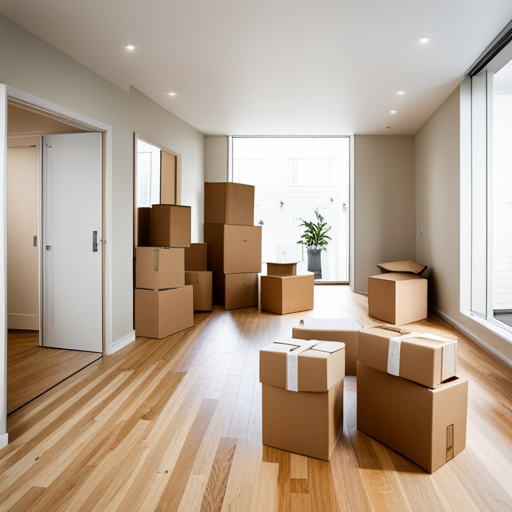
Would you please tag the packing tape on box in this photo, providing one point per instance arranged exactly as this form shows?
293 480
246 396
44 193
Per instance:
292 365
449 357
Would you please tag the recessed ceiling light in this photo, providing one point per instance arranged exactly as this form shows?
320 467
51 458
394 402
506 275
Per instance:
400 92
392 111
424 39
130 47
172 93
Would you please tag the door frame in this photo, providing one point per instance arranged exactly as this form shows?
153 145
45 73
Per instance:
44 106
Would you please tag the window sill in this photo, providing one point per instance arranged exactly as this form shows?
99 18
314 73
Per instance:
495 326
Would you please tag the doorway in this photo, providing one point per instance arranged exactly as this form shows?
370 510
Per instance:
54 241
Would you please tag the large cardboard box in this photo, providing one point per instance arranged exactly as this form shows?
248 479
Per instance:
143 226
345 330
195 257
160 313
302 396
233 249
282 269
422 357
234 291
170 225
202 283
159 268
287 294
398 298
428 426
229 203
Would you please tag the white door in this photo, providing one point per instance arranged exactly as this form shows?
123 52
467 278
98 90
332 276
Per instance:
72 222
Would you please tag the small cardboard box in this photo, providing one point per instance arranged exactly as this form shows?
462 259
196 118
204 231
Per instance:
302 396
398 298
234 291
422 357
287 294
160 313
345 330
282 269
195 257
143 226
203 289
233 249
229 203
170 225
159 268
428 426
300 365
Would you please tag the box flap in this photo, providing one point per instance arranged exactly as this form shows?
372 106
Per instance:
403 266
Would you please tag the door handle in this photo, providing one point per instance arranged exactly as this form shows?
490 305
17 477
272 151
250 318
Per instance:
94 241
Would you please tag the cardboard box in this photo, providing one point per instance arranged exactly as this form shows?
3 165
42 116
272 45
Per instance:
299 365
159 268
345 330
425 358
203 289
233 249
160 313
234 291
143 227
287 294
398 298
195 257
305 423
170 225
428 426
282 269
229 203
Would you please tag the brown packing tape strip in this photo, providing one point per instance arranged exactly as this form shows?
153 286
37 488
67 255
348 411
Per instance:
391 328
157 259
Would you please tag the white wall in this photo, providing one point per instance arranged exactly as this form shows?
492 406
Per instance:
31 65
22 226
384 209
216 158
438 201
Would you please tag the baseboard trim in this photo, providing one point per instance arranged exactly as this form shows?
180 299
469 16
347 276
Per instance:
4 440
470 334
123 342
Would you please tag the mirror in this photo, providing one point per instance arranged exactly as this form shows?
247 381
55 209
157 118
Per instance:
157 180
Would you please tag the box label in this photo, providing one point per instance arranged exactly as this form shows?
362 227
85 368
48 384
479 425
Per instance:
449 442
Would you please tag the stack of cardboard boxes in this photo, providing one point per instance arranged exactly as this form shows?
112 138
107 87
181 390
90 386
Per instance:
234 243
408 394
302 389
163 302
197 275
283 291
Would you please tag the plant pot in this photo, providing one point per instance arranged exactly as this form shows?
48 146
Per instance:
315 262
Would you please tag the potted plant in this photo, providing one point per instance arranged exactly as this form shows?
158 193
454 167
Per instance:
316 239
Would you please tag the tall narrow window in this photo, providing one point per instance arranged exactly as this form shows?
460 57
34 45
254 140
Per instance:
295 176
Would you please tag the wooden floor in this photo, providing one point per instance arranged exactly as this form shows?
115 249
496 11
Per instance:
175 425
32 370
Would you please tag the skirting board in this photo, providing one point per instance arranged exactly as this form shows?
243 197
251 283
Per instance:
449 320
4 439
122 342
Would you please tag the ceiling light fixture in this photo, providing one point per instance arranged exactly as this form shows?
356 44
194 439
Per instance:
130 47
400 92
424 39
171 93
392 111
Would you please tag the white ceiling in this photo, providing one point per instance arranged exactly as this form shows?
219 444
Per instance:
276 67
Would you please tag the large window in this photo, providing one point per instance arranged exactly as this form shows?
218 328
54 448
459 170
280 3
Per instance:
293 177
491 185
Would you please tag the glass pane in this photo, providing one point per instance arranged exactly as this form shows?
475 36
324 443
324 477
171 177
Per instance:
148 174
502 194
293 177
